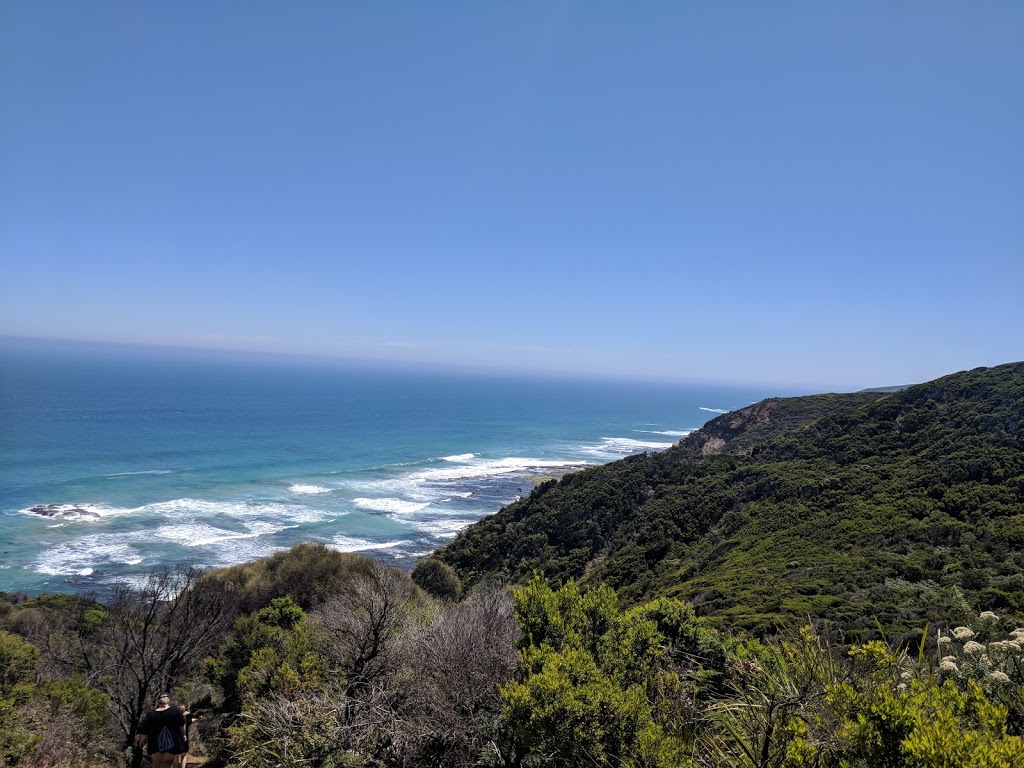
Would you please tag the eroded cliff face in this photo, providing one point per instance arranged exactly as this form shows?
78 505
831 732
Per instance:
740 432
715 436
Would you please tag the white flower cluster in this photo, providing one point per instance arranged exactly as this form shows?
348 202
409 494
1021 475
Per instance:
993 662
1011 646
963 633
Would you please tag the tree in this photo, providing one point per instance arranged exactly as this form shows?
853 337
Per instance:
437 578
361 624
596 686
308 573
264 647
143 641
312 700
457 662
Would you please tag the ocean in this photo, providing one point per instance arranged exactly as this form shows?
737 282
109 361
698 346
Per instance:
114 460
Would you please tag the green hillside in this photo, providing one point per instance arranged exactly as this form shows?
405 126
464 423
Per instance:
897 508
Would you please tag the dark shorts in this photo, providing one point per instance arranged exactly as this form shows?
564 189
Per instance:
177 749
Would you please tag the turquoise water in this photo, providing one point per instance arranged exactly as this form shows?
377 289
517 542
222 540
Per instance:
160 457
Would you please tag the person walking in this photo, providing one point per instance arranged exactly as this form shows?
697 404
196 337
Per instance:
190 717
162 732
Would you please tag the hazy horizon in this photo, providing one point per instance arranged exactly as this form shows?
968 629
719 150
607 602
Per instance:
129 350
134 350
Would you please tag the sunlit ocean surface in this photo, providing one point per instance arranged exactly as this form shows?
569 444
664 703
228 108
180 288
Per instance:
147 458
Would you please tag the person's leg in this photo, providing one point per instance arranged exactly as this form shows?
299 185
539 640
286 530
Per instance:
163 760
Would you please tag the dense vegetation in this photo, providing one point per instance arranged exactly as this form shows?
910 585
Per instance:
893 521
379 674
899 508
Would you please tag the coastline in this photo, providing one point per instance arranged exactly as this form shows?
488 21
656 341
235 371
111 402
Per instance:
133 467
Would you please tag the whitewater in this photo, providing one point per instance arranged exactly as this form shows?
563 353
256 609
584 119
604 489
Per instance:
116 460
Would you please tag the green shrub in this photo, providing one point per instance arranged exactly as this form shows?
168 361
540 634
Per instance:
437 578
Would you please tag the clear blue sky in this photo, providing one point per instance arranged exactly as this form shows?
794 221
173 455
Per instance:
820 192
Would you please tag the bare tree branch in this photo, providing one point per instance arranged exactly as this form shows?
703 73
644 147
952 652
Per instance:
144 640
361 624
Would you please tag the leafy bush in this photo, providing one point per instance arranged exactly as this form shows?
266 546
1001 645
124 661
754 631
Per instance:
437 578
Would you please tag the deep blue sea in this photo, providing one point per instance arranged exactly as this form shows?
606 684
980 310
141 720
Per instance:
153 457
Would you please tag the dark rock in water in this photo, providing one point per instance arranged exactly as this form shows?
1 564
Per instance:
46 510
62 510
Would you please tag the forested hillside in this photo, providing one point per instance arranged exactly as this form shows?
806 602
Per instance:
893 508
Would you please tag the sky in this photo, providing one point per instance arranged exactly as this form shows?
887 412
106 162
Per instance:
820 193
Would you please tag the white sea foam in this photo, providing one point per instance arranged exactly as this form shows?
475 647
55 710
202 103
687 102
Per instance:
441 485
246 510
623 446
415 491
485 469
454 495
713 410
394 506
235 551
137 582
450 495
302 488
352 544
307 515
459 457
443 528
398 487
668 432
75 557
203 535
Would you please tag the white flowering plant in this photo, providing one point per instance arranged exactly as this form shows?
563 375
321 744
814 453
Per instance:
988 658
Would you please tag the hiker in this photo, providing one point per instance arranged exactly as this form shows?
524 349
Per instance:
182 759
162 732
